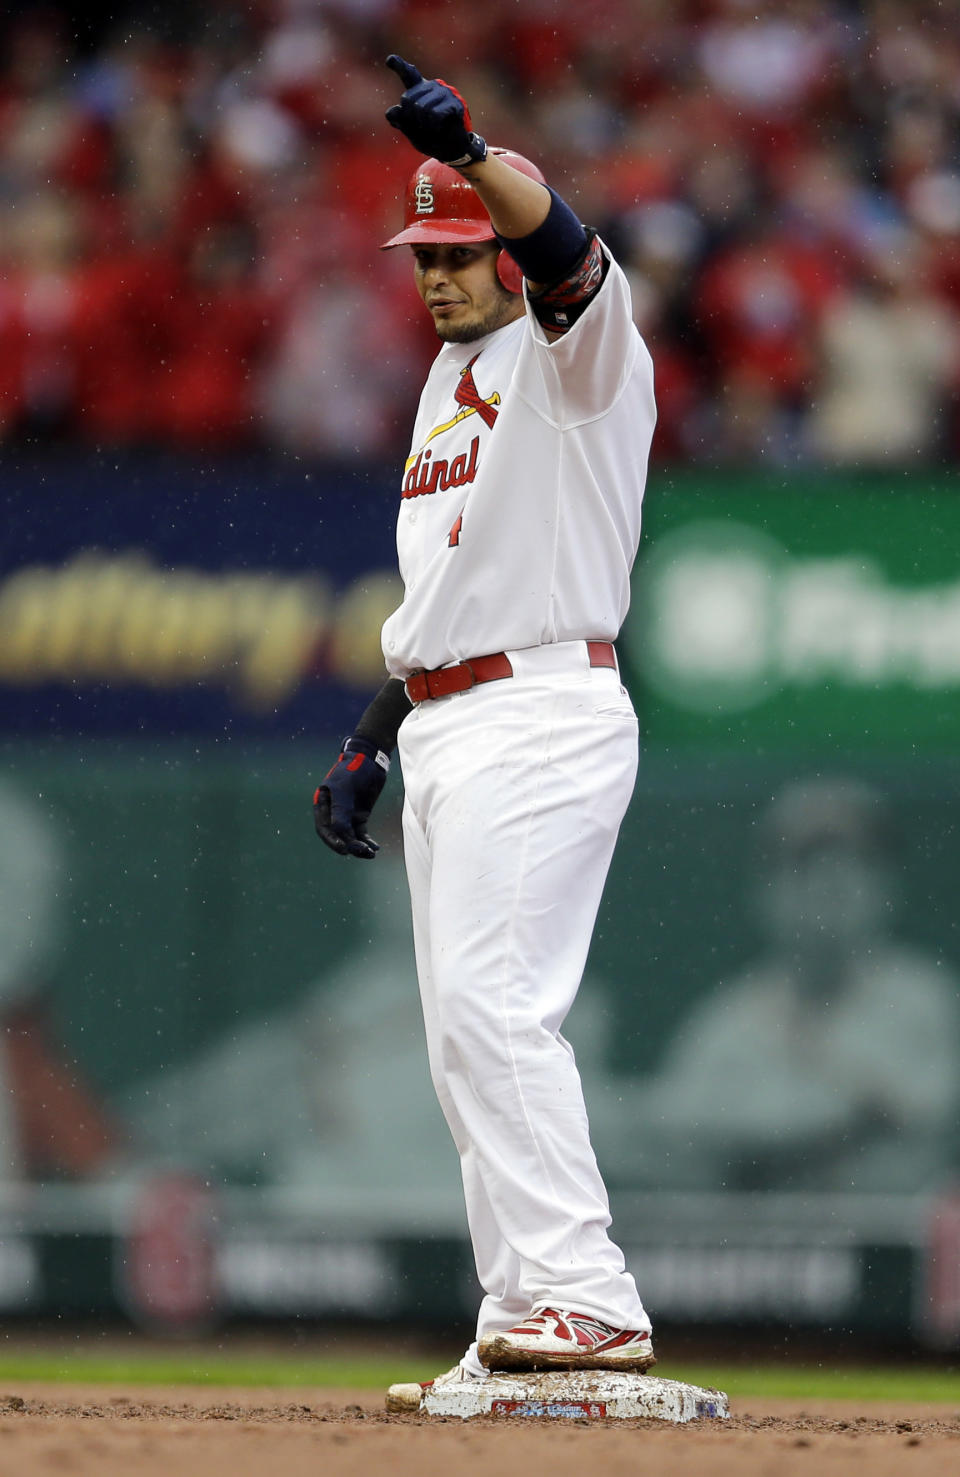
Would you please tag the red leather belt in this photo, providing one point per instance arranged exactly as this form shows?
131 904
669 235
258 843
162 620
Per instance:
444 681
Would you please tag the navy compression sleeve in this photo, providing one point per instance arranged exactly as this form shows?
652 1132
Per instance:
381 720
549 252
566 258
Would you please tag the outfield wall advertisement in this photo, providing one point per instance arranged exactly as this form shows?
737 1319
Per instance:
808 614
216 1101
162 597
155 597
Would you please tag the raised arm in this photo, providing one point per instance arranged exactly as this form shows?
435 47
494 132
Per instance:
532 223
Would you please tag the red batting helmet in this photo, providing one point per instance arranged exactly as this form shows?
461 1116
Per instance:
441 206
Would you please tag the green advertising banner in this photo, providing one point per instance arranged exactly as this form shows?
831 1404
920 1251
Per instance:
814 613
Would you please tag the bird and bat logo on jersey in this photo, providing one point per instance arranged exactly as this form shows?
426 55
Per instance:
424 473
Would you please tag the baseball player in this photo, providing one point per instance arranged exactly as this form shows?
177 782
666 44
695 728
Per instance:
518 523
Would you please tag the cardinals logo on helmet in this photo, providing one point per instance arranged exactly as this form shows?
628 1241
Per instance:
423 196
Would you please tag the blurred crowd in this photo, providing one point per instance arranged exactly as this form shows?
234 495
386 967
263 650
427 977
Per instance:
192 196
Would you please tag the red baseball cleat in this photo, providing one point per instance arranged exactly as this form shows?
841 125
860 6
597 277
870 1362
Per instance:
549 1339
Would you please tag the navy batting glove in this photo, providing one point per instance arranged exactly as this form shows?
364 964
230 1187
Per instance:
343 801
434 117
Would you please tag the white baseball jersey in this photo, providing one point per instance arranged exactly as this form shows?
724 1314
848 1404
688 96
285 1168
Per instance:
520 507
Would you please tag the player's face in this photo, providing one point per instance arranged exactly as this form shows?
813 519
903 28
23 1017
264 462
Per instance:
462 291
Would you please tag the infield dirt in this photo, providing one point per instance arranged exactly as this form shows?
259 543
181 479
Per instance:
113 1431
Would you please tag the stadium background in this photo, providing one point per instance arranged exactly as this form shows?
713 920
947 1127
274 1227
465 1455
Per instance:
216 1101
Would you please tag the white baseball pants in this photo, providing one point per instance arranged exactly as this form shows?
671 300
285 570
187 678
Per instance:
515 791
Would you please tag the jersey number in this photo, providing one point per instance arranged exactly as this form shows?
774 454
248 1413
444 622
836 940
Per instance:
454 538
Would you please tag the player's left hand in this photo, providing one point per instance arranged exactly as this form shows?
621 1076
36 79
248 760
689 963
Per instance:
343 801
434 117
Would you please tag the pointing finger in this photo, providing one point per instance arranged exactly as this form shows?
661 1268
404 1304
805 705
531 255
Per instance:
406 71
